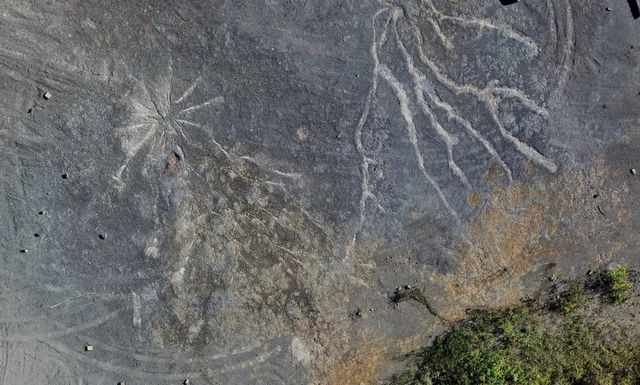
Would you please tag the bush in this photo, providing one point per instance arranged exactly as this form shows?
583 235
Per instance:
616 284
569 301
532 345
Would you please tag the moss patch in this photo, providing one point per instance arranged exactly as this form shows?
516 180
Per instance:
538 343
616 284
416 295
569 301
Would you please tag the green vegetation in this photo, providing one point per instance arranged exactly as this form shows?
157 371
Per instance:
534 344
616 284
569 301
416 295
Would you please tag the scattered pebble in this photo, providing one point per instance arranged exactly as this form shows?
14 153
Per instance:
408 287
186 382
30 110
47 95
590 272
595 196
24 251
371 309
608 9
88 348
633 171
41 212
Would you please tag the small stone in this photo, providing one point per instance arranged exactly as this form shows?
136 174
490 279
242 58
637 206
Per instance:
41 212
408 287
24 251
64 176
590 272
186 382
102 236
88 348
608 9
47 95
371 309
633 171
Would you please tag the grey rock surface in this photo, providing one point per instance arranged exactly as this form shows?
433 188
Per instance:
229 192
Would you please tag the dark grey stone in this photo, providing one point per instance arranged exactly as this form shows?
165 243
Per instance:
257 172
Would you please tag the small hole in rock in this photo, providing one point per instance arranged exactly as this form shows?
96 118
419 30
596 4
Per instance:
30 110
102 236
36 235
635 9
173 163
65 176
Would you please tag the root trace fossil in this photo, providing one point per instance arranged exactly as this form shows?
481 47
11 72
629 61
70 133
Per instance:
155 121
151 116
426 77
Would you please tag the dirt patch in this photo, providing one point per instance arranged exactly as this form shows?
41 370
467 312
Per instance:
358 367
578 217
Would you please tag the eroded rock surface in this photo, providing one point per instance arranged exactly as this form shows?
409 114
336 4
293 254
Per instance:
231 192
